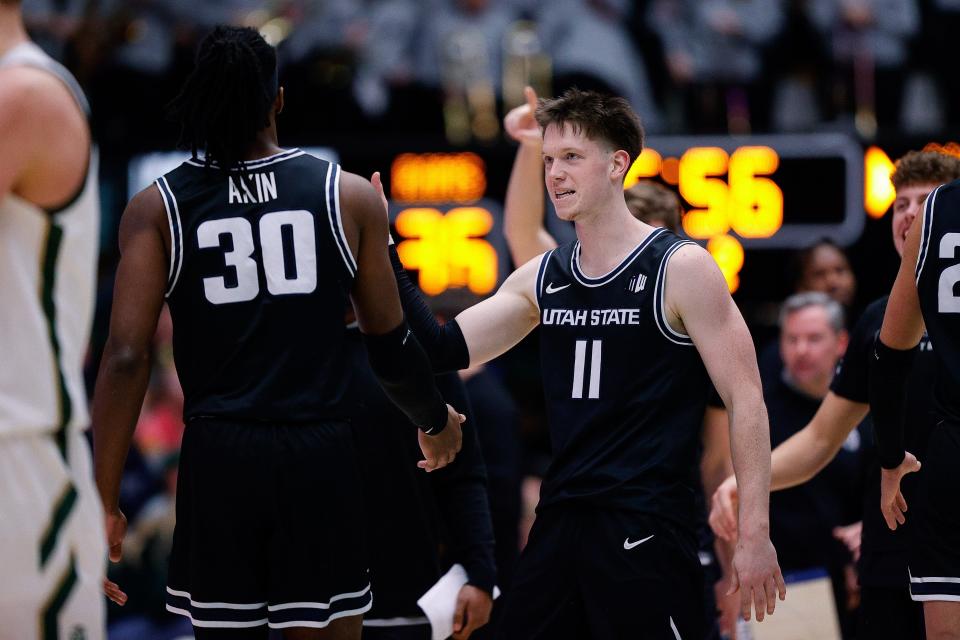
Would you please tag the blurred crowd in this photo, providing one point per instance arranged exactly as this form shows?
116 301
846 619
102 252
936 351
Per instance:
444 66
357 68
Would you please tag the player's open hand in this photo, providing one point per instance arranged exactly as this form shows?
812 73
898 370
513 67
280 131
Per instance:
892 503
757 576
441 449
116 528
519 122
724 511
472 611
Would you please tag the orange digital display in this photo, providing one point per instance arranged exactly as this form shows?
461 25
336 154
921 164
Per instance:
438 177
448 250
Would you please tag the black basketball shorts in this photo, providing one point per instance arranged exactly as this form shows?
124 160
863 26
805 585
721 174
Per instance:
269 526
934 518
604 574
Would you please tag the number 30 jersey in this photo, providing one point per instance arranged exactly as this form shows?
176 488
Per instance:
938 285
259 278
625 392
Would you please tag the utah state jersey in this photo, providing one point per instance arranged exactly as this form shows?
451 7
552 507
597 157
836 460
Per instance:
938 277
625 392
260 273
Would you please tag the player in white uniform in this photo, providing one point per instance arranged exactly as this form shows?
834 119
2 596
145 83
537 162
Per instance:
52 545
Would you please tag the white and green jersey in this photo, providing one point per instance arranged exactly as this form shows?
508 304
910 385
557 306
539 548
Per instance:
48 264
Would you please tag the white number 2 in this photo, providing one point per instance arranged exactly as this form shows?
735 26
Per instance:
579 367
274 256
947 301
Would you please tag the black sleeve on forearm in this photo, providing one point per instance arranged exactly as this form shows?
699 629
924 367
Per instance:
404 372
461 492
888 380
444 343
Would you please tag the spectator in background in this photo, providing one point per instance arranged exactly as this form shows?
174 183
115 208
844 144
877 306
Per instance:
802 519
387 58
824 267
52 23
869 44
449 24
590 46
713 52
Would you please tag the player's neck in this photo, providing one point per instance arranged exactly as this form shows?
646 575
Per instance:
607 238
264 146
12 32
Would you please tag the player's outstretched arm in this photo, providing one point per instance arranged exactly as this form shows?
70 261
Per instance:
125 367
395 356
796 460
707 313
523 209
480 333
893 354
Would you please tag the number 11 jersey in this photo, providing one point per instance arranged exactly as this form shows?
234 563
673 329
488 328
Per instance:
259 278
625 392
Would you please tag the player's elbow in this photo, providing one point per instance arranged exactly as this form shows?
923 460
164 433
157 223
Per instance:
124 358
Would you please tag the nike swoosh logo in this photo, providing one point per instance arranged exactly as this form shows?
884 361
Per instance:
630 545
552 289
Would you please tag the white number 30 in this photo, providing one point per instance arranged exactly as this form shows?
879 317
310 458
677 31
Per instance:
272 250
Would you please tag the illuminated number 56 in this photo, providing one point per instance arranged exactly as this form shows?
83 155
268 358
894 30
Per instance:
751 204
579 369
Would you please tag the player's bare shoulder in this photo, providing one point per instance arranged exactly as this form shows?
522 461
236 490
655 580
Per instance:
693 285
360 207
145 213
42 125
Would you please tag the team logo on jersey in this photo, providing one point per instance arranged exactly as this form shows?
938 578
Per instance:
637 283
78 633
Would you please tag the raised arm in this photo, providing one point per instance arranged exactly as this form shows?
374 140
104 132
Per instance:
395 356
523 210
707 313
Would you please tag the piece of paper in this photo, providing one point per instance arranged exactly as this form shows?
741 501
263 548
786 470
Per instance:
440 602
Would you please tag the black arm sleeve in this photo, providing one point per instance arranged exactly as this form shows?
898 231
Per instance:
461 492
888 380
444 343
403 370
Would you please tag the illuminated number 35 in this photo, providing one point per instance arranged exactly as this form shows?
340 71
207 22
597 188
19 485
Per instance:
448 250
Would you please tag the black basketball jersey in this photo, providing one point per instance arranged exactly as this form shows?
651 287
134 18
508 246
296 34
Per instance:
938 277
260 273
625 392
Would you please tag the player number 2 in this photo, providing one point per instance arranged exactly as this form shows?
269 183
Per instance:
579 367
947 300
301 245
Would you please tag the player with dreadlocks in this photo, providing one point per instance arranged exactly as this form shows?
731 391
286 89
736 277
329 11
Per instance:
256 250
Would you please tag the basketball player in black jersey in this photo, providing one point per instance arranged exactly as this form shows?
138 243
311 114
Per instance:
527 237
925 296
631 320
257 251
886 610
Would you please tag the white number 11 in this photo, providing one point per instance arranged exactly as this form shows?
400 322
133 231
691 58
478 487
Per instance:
579 366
